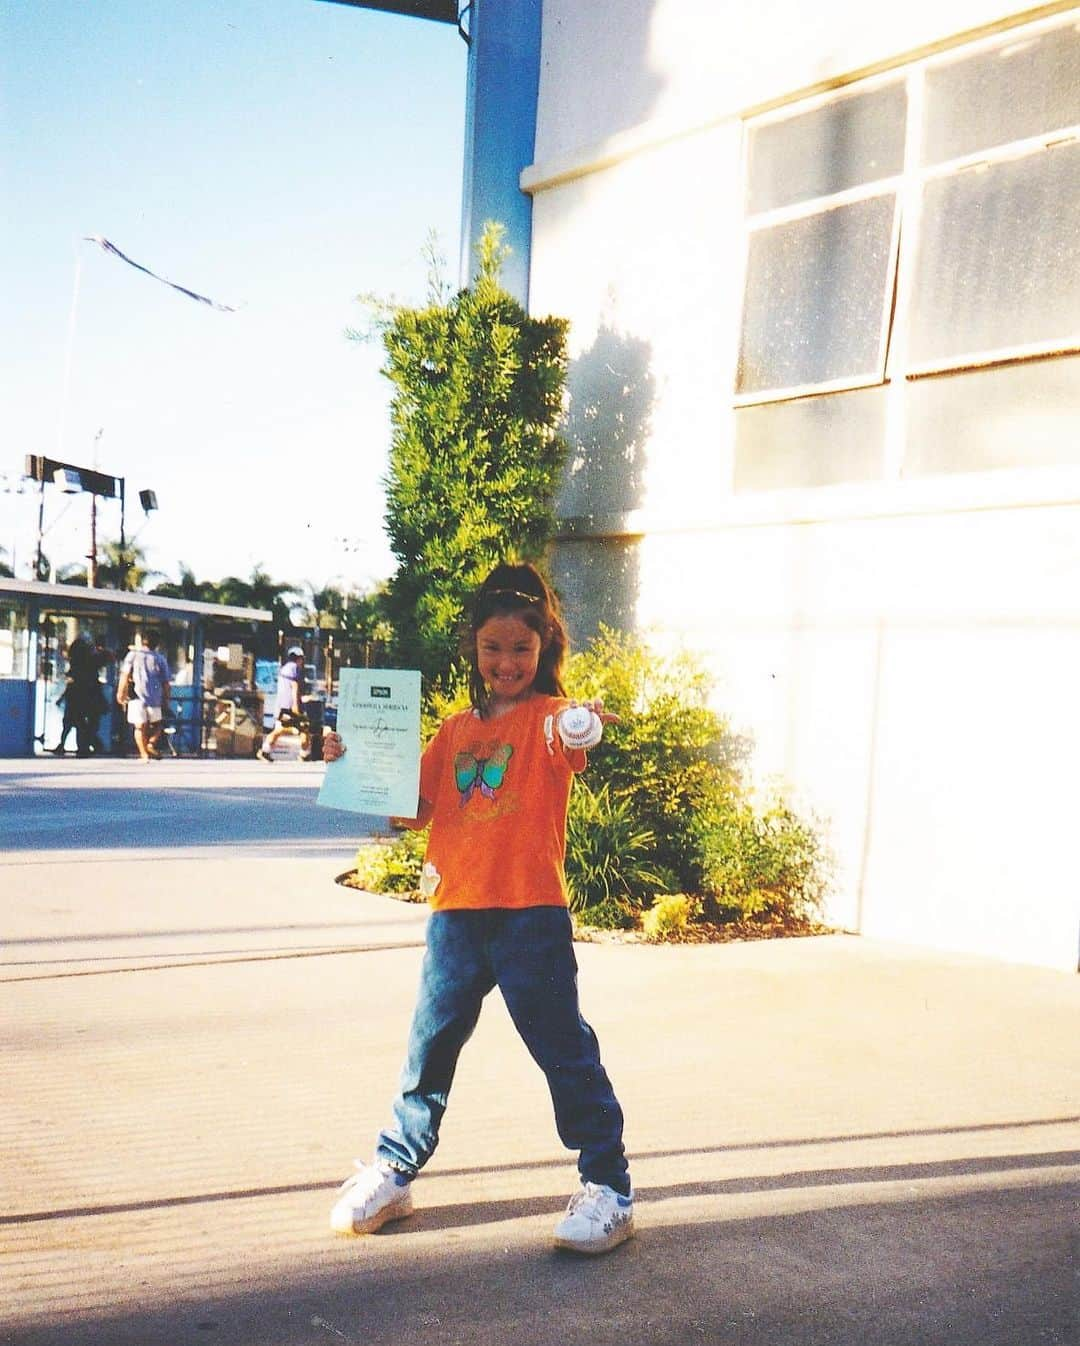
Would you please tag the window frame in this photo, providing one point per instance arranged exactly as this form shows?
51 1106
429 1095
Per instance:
806 210
894 366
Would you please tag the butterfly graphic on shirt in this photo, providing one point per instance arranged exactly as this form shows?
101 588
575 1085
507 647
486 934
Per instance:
482 768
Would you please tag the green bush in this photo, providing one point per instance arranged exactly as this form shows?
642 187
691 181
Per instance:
669 915
761 863
608 914
392 867
679 772
670 754
609 855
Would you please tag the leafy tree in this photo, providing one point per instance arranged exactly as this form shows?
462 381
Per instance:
260 591
362 616
320 608
474 456
5 570
194 590
355 615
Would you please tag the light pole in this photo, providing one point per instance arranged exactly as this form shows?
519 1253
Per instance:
72 480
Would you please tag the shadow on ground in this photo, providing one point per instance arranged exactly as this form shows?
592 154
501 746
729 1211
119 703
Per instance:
990 1268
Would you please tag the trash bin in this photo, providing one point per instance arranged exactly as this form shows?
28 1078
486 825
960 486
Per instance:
238 730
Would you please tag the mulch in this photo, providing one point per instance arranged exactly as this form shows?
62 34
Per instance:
710 932
699 932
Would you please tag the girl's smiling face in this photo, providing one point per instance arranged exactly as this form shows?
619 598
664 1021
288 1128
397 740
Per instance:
508 656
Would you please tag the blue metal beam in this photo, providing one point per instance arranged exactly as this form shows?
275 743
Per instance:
442 11
500 131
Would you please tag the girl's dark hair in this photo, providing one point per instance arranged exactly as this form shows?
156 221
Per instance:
519 591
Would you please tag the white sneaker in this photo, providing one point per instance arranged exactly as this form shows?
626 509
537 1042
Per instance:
372 1197
596 1220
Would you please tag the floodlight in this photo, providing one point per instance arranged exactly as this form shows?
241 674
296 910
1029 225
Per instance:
68 479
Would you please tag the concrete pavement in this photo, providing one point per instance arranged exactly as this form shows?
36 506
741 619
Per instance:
56 806
833 1141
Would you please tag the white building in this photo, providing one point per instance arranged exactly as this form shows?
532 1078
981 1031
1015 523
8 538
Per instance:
822 267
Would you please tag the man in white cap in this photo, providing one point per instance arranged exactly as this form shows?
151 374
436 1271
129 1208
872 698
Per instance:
290 713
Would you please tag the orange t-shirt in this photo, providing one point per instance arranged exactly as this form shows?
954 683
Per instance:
498 830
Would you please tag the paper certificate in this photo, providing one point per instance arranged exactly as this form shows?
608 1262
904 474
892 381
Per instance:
378 718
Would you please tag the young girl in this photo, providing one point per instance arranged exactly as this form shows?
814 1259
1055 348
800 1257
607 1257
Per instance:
495 785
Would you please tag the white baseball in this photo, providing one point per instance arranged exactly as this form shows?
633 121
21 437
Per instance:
580 727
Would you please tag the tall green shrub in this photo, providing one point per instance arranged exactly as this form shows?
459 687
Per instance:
474 455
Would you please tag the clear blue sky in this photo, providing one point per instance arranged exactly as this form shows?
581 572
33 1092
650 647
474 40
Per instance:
282 156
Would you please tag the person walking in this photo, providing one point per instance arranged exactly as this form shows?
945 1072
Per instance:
71 717
84 701
290 708
495 786
144 688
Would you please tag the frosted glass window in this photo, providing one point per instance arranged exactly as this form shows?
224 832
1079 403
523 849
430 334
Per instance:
817 296
999 258
813 441
1023 415
844 144
1028 87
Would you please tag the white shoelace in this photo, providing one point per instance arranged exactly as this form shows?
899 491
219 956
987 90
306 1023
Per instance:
367 1180
587 1199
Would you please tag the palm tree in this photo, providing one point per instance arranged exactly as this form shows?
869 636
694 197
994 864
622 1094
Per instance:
194 590
267 593
260 591
121 568
124 568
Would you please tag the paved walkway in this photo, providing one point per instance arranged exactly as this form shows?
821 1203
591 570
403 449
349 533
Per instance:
834 1141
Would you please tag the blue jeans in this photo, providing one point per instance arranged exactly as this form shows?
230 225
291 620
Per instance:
529 955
